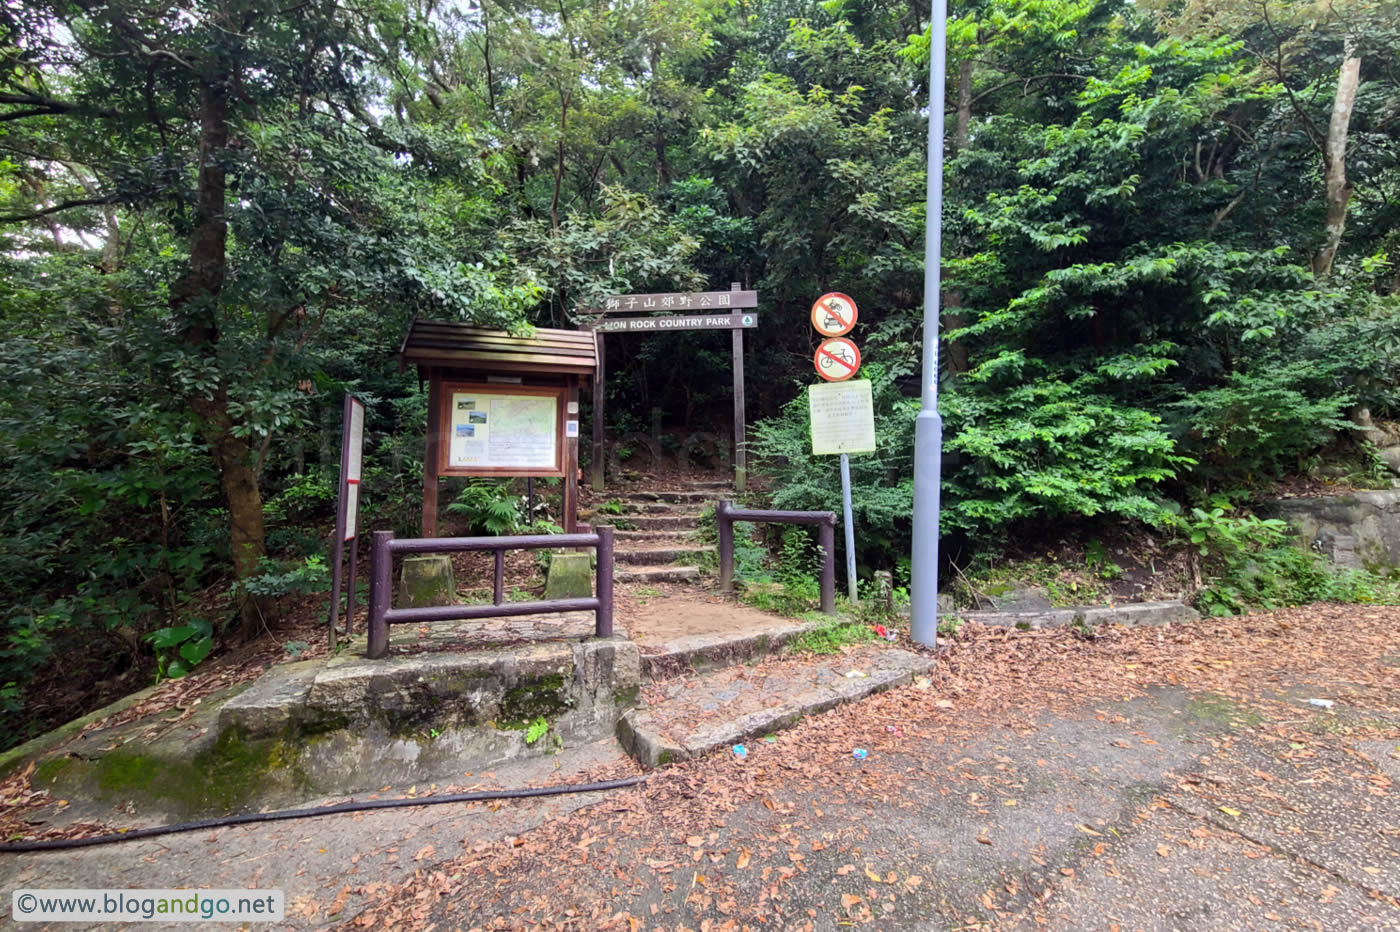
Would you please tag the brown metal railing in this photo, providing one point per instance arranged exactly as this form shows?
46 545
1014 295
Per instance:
725 516
381 582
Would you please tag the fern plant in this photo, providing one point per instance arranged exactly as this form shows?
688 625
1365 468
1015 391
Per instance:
489 507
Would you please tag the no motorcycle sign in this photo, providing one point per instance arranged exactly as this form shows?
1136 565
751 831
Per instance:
834 314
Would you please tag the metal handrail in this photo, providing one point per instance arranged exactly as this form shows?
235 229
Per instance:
725 516
385 545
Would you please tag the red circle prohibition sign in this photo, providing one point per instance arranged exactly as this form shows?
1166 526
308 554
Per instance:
834 314
837 359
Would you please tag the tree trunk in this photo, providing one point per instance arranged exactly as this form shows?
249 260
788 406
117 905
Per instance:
952 299
963 134
559 166
193 301
1334 161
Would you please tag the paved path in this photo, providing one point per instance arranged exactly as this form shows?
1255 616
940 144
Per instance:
1176 779
322 865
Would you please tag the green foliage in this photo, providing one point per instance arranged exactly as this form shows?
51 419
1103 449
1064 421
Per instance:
284 578
179 650
1257 564
536 730
489 507
1257 425
830 637
1054 449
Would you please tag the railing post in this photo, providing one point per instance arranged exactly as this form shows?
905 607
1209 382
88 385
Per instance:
726 545
826 539
604 625
498 584
381 587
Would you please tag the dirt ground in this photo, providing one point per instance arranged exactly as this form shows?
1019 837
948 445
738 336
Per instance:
657 614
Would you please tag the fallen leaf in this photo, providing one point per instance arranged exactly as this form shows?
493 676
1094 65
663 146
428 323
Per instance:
913 881
743 861
845 869
695 841
874 877
850 899
1228 811
1372 870
944 703
1088 831
1163 850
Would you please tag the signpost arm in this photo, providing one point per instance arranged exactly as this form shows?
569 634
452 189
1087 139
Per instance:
430 455
850 529
741 457
598 437
928 428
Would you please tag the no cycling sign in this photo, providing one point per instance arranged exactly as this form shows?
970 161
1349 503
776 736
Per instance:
837 359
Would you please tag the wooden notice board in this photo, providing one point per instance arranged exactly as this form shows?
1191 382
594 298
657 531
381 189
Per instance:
490 429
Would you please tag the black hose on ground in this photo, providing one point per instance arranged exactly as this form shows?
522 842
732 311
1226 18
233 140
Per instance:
58 844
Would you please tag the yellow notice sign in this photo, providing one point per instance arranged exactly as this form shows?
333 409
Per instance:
843 417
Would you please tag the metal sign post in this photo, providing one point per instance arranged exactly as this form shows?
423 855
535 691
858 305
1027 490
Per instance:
843 421
850 528
347 512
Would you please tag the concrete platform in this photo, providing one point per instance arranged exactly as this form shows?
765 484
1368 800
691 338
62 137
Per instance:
450 698
1129 614
687 718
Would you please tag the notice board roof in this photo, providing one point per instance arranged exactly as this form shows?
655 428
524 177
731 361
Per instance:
448 345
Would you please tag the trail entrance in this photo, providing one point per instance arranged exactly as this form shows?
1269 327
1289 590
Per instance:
667 313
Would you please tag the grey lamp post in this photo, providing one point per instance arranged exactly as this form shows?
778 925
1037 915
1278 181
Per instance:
928 429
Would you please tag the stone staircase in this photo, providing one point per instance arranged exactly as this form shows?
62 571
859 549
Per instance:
655 531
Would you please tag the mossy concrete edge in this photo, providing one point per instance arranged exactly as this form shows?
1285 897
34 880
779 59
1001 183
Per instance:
46 742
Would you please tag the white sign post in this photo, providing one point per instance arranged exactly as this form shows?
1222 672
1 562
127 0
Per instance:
347 514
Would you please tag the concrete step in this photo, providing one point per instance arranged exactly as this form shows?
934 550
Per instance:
689 717
655 574
672 522
653 556
656 538
694 496
642 508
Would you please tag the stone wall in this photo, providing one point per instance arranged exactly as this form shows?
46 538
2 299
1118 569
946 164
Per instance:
1359 530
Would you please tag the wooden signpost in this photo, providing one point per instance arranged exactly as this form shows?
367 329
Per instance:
670 312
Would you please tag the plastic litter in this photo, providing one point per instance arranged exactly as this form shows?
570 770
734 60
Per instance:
1322 703
895 730
885 633
740 751
854 674
770 740
860 753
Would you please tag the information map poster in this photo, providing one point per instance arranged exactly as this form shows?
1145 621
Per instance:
513 431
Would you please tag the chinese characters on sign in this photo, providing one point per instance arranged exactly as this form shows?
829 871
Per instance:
843 417
682 301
